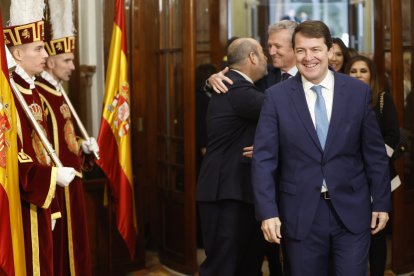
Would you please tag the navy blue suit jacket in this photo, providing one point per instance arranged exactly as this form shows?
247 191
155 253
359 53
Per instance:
231 124
354 162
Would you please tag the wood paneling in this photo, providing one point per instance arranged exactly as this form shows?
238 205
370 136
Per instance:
145 86
218 31
176 134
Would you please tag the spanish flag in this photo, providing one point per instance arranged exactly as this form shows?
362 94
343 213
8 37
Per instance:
115 136
12 260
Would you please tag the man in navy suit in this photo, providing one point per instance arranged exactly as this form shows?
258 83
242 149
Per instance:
318 131
231 234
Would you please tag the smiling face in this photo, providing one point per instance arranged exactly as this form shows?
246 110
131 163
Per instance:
312 57
360 71
337 60
280 49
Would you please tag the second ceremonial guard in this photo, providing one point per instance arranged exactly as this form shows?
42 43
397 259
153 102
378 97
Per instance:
70 236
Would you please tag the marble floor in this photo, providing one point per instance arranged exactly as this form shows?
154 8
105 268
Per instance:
154 268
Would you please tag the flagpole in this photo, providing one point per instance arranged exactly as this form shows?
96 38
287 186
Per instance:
77 119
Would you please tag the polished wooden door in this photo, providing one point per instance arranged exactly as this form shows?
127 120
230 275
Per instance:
394 47
175 138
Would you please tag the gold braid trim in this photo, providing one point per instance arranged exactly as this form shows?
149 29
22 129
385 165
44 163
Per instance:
52 188
70 232
56 215
48 88
24 90
34 230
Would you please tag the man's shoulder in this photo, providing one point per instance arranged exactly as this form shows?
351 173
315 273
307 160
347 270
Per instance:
289 84
349 82
236 76
43 86
239 82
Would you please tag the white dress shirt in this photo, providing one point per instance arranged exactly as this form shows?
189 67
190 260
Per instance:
327 92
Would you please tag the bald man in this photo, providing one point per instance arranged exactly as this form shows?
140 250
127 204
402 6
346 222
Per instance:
230 232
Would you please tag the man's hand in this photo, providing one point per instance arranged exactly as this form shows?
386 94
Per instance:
216 81
90 145
271 229
381 218
248 152
64 176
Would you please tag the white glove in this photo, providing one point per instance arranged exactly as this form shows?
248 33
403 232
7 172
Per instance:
53 224
90 145
64 176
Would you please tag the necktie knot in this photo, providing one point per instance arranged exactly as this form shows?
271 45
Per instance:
317 89
285 76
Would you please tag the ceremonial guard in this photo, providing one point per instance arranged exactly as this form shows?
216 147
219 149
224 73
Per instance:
70 236
37 175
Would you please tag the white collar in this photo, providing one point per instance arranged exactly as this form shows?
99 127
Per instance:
243 75
22 73
292 71
327 82
51 80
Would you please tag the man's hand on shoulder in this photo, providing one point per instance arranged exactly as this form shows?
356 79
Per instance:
271 230
216 81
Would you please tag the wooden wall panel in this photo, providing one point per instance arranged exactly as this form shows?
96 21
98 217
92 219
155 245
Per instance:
145 86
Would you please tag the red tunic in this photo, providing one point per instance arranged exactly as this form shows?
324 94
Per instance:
37 181
71 243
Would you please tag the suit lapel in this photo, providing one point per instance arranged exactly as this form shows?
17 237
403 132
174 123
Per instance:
298 97
338 109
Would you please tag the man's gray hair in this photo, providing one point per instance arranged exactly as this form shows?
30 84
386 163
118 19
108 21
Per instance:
282 25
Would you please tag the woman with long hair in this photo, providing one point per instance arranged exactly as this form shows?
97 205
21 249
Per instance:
340 55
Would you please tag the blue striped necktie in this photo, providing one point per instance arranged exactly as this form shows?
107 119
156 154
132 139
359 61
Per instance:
321 117
321 121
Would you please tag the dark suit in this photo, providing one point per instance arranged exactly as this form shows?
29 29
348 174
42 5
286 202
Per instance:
273 76
271 250
231 235
353 164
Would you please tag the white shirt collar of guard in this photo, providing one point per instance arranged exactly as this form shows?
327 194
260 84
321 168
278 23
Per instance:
51 80
30 80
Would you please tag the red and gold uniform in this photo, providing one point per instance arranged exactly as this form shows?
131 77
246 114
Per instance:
71 243
37 180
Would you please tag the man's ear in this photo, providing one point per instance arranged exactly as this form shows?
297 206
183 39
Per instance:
17 53
50 62
253 58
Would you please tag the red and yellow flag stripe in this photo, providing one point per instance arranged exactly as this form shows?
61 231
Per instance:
114 136
12 258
